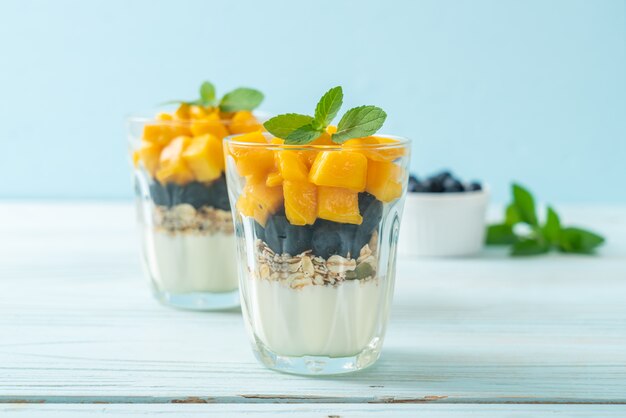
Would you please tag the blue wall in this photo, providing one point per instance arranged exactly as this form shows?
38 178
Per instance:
496 90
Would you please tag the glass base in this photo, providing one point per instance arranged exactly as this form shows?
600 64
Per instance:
318 365
199 301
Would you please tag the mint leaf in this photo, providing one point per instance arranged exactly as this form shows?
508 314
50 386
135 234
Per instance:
328 106
529 247
359 122
242 98
500 234
207 94
552 228
303 135
525 205
282 125
511 216
578 240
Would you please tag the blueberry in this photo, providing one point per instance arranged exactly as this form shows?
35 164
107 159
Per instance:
175 193
371 210
474 186
431 186
452 185
159 194
259 231
276 232
441 176
219 193
360 239
298 239
330 238
197 194
414 183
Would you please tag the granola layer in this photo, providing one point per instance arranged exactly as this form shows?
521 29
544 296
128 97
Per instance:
184 218
305 269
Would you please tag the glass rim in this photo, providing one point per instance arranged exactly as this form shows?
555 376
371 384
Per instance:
146 118
402 142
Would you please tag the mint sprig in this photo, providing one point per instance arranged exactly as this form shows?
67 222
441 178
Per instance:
242 98
541 238
297 129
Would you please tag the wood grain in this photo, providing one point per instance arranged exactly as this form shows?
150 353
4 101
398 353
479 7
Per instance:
78 325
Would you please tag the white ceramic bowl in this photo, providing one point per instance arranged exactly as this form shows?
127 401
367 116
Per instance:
443 224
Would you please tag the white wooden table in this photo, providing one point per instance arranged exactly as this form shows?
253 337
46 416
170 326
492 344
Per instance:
80 335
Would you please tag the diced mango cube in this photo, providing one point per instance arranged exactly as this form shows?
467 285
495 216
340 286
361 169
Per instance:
259 201
211 124
163 133
244 122
204 157
172 168
149 154
273 180
197 112
338 205
340 169
300 202
242 150
164 116
366 144
292 166
258 164
183 112
384 180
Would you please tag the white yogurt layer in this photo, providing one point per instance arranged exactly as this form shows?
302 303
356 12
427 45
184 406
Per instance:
188 262
317 320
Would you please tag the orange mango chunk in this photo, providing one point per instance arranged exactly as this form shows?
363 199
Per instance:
244 122
292 166
241 150
183 112
197 112
388 154
384 180
204 157
163 133
252 161
164 116
300 202
172 168
340 169
339 205
259 201
210 124
273 179
149 154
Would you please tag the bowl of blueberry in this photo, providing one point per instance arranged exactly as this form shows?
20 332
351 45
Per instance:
443 216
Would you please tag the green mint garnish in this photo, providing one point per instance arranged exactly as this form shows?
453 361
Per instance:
541 238
298 129
207 94
359 122
282 125
328 107
242 98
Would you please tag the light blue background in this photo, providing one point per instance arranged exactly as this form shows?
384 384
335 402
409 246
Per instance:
496 90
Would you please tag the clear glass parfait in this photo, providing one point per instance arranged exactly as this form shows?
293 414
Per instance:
186 227
316 228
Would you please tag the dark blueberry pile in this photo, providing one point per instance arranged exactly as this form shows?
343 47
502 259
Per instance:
196 194
325 238
443 182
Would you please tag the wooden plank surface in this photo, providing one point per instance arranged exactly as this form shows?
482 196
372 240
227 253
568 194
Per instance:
311 411
77 325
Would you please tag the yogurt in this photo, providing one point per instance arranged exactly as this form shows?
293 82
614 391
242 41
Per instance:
317 320
187 262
